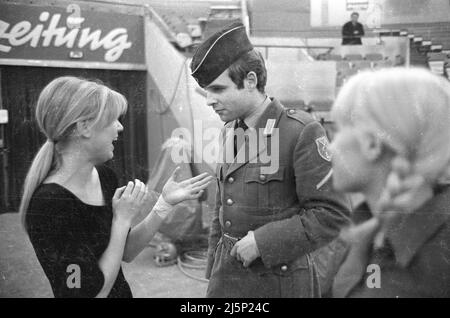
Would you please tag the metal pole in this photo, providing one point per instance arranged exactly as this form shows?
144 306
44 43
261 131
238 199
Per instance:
4 154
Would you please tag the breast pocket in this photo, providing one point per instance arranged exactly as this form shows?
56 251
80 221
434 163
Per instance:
267 189
284 270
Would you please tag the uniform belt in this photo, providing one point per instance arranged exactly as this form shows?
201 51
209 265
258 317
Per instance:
229 240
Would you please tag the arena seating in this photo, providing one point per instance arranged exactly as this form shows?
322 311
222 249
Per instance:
374 57
381 64
184 20
429 46
360 65
353 57
320 105
333 57
425 39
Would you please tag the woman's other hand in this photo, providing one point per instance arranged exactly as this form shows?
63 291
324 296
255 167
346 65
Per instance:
175 192
127 201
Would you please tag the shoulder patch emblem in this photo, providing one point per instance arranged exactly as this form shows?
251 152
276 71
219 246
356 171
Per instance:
322 148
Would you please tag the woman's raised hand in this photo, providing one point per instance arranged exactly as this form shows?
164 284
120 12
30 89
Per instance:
128 200
175 192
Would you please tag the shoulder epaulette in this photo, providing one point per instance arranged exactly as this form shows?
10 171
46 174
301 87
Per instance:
299 115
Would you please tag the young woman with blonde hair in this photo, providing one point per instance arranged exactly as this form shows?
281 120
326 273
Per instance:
78 222
392 145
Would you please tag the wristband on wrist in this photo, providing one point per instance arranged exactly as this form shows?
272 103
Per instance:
162 208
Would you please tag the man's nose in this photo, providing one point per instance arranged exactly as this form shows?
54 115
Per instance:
210 100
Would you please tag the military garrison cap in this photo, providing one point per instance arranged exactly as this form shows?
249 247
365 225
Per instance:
219 52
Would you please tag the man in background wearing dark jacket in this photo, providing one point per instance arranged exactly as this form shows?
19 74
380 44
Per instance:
352 31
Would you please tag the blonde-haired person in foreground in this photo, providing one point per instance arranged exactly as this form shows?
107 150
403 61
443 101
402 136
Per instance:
392 144
78 222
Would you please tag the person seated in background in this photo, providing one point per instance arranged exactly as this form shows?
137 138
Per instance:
391 145
352 31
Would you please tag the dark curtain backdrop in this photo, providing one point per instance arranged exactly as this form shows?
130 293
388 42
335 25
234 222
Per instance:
20 88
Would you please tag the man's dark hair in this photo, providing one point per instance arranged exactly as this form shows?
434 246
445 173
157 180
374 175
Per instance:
355 13
251 61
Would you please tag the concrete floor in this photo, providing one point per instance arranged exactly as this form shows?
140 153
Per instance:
21 274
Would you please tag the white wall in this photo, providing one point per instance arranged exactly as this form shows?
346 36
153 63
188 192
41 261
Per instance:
335 12
416 11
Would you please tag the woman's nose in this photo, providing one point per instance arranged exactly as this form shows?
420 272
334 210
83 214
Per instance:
119 126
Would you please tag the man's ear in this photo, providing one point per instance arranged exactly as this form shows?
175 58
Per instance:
371 145
251 81
84 129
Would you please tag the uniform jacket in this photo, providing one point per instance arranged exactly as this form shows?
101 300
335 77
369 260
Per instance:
414 261
292 211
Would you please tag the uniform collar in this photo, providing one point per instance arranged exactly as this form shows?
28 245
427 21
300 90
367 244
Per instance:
361 214
406 235
409 232
273 110
252 119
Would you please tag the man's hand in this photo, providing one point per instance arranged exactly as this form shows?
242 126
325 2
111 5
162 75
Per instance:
246 250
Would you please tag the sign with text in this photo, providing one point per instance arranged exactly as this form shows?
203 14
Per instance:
70 34
357 5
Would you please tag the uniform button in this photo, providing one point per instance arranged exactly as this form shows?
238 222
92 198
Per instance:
284 268
230 202
231 180
228 224
262 177
291 111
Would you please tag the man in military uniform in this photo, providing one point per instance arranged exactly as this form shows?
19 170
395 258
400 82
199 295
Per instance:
265 225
